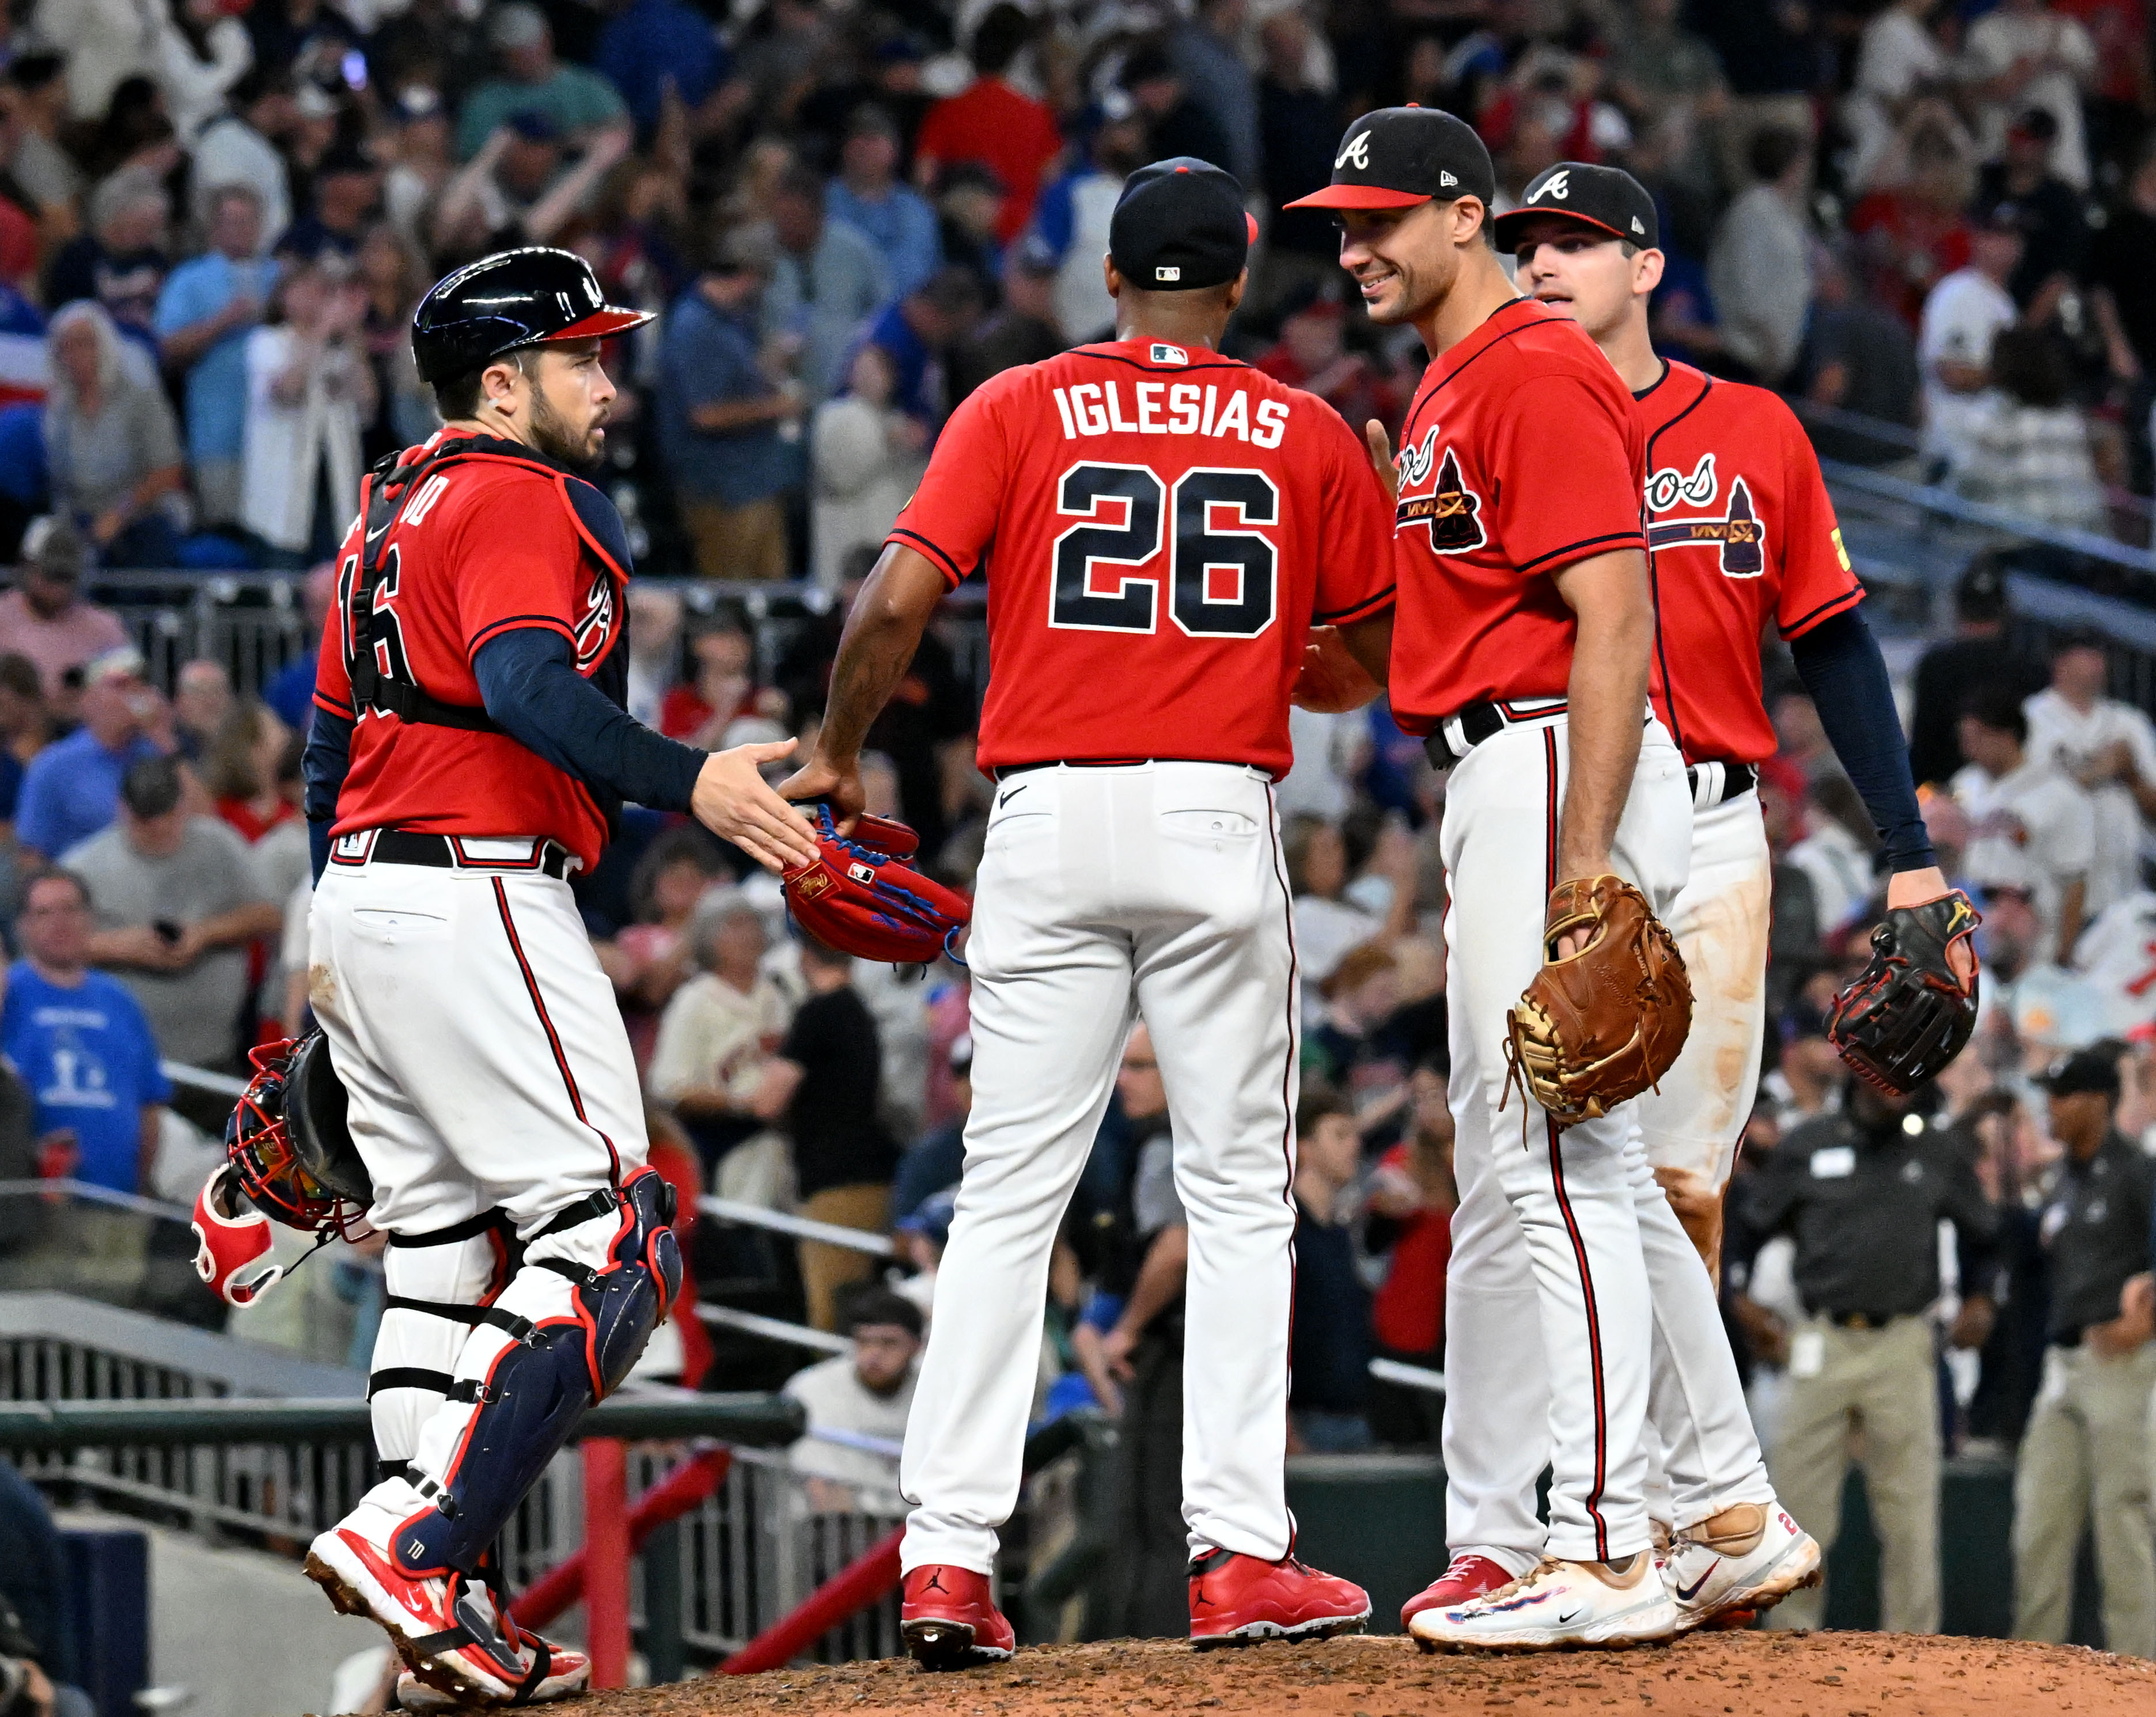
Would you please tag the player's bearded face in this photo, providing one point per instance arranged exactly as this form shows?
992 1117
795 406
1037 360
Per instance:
1402 260
571 400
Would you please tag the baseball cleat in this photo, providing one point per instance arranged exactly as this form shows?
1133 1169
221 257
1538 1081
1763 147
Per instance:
1468 1577
949 1619
445 1630
1558 1606
1236 1600
1747 1558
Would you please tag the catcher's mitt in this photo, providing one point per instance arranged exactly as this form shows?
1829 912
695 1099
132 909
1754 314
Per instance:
1603 1024
861 896
1908 1014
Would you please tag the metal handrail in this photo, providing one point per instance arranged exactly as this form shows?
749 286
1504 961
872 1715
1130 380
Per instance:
779 1222
180 1074
753 1417
751 1323
1947 504
91 1191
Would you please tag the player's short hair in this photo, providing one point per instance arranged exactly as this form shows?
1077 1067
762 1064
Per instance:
1317 1102
874 1306
458 396
1997 703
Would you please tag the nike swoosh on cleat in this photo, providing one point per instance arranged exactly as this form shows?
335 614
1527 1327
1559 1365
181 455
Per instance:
1567 1621
1685 1594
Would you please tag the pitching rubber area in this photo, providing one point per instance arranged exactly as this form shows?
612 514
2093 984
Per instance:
1754 1675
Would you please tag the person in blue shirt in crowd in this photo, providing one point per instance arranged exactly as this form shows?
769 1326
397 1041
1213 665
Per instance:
721 419
80 1040
71 789
290 691
917 331
209 306
868 196
645 42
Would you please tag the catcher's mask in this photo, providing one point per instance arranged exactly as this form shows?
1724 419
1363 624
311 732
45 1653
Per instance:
289 1151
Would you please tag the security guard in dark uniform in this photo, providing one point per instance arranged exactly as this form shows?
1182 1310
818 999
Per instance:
2087 1454
1861 1193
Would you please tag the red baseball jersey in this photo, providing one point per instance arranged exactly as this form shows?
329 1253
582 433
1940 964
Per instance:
1521 453
493 541
1740 532
1160 527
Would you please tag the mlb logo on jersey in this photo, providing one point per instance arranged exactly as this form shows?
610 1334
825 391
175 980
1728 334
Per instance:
1169 354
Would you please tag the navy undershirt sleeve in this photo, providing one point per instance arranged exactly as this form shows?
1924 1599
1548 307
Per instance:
322 769
1839 664
531 688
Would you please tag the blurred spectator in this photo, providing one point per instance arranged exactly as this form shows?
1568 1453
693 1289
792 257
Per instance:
827 277
646 45
1071 224
1977 654
1312 355
1413 1195
209 304
1143 1352
241 768
654 650
867 197
2029 450
1177 123
722 688
37 100
394 275
308 390
1298 130
114 447
933 1163
1835 850
1858 357
576 99
918 332
1022 331
516 190
867 459
81 1042
994 121
71 789
202 698
1330 1352
1349 1050
25 726
1863 1193
1206 50
201 50
968 199
1760 269
1899 62
719 420
2108 747
2023 54
1770 60
120 263
865 1393
2031 827
823 1081
291 691
2086 1459
1326 925
347 185
1963 316
1913 232
44 617
2122 276
2047 212
176 900
719 1027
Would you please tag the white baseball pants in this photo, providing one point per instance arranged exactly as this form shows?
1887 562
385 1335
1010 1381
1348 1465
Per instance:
1709 1454
1155 890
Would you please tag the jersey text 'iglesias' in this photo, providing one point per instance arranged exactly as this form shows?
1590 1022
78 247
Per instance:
1521 455
1740 532
1160 527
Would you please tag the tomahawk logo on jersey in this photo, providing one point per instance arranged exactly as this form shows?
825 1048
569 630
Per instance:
537 547
1741 534
1161 526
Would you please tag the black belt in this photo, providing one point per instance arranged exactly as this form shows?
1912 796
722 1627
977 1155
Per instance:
1478 721
404 846
1736 778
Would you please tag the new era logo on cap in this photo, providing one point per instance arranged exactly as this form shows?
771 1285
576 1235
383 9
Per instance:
1445 180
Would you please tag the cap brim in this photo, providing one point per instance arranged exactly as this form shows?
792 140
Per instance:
1513 220
601 323
1359 196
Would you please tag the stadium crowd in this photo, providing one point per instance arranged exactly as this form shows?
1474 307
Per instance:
1933 221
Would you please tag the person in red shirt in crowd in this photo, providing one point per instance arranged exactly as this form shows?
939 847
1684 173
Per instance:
1911 235
242 771
1412 1195
1312 355
993 121
723 690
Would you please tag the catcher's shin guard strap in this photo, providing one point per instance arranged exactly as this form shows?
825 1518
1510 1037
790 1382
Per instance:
516 1328
470 1229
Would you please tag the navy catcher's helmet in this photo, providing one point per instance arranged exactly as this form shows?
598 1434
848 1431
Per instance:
513 298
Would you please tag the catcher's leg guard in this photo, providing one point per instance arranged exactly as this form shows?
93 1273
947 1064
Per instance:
571 1322
460 1267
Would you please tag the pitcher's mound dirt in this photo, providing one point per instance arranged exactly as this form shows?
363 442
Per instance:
1755 1674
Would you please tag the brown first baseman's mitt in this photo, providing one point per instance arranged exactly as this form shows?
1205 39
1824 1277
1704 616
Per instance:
1600 1026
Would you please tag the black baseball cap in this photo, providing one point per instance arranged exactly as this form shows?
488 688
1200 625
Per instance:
1179 225
1398 157
2095 1068
1605 196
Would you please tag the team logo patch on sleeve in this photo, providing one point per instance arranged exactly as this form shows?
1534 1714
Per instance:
1452 510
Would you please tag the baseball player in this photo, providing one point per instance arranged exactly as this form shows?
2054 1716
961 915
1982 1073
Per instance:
1165 523
1741 533
1521 648
469 751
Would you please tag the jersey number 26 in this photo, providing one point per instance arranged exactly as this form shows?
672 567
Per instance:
1222 570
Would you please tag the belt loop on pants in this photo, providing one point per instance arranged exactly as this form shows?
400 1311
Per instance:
529 854
1716 783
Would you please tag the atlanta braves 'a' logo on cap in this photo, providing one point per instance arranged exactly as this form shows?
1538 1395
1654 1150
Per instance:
1453 511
